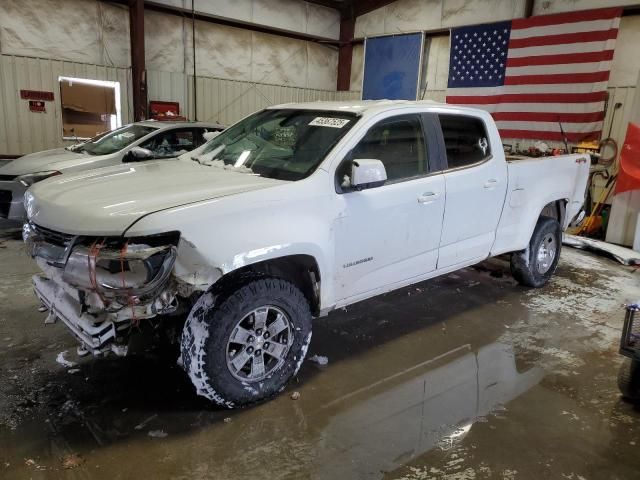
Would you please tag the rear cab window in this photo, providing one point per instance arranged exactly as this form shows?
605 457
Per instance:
465 140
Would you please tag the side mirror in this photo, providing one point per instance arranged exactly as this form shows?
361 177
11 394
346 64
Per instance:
367 173
137 154
210 135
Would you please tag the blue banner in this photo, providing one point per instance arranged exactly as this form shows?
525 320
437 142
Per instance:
392 67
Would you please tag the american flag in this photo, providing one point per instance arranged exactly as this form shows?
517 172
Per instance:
535 72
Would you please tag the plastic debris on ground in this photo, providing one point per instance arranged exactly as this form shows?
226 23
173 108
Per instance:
144 423
623 255
157 434
60 359
319 359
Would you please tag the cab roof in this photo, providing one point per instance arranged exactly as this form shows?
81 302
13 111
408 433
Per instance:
371 106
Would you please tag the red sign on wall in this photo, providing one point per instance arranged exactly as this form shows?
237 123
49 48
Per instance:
37 106
36 95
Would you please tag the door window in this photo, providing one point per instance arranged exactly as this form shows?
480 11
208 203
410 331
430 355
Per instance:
171 143
399 144
465 140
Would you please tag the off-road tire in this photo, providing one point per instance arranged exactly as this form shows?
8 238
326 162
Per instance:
210 324
629 380
524 264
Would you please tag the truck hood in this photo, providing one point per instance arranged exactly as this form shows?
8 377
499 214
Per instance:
41 161
108 200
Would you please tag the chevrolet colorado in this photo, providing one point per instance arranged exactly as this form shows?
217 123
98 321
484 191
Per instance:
294 211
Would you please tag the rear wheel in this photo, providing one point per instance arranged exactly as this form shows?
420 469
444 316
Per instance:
242 347
534 266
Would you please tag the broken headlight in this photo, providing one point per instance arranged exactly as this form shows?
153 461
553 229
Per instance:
132 268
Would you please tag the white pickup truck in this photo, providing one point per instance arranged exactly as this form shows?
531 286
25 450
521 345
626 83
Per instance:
292 212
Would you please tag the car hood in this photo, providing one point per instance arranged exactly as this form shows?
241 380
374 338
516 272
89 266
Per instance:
42 161
108 200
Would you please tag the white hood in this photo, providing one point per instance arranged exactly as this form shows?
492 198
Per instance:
107 200
41 161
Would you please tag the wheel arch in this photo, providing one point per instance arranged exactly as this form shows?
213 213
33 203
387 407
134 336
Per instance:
303 270
555 209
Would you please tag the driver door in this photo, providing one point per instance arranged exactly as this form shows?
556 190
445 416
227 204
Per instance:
390 234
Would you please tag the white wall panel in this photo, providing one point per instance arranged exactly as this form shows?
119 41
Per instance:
416 15
438 63
73 30
22 131
237 54
626 60
96 32
292 15
357 67
542 7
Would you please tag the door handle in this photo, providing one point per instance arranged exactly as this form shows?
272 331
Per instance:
428 197
491 183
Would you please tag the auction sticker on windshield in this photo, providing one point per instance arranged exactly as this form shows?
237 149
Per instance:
329 122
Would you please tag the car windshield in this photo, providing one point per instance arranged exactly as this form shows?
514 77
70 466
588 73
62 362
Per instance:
116 140
286 144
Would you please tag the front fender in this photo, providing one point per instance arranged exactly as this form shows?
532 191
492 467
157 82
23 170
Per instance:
222 235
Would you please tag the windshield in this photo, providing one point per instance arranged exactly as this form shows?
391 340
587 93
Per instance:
286 144
116 140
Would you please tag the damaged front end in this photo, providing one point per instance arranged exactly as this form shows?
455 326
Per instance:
101 287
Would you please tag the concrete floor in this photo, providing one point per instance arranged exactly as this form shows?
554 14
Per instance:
464 377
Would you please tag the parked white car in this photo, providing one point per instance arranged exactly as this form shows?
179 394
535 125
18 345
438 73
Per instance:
292 212
134 142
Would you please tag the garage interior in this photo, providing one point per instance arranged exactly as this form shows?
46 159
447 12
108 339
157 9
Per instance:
465 376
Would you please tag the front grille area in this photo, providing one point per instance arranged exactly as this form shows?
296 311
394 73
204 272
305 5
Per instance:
51 236
5 203
47 244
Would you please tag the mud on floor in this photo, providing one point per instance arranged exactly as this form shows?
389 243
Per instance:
468 376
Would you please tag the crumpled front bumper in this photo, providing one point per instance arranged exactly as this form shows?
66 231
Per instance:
98 334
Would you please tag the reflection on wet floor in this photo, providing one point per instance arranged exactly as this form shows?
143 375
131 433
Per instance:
464 377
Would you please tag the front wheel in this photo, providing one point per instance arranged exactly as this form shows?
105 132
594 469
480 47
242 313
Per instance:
242 347
534 266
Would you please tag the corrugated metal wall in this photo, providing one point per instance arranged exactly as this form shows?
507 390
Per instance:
226 101
22 131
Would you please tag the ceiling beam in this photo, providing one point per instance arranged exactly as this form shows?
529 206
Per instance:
345 53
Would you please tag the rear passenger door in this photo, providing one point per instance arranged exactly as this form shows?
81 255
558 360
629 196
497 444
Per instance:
391 233
476 186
